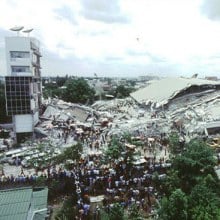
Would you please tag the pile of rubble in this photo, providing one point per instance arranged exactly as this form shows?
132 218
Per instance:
189 113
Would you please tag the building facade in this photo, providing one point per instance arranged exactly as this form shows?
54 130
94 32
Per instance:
23 82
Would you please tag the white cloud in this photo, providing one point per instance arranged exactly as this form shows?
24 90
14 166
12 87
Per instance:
140 34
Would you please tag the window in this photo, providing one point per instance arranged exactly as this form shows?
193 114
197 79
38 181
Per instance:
18 95
19 54
19 69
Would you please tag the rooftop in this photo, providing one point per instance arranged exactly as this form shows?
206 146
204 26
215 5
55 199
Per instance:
16 203
161 91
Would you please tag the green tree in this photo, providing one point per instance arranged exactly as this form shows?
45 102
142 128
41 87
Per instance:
60 81
78 91
193 173
114 150
174 143
3 116
117 148
171 183
197 161
71 153
52 90
175 207
212 182
122 91
204 203
134 213
68 211
53 189
117 212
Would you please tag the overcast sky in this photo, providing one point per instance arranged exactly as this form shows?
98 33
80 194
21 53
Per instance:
119 37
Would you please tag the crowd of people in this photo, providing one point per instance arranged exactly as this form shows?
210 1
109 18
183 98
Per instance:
115 184
116 181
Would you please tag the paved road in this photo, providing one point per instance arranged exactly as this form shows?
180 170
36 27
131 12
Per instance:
16 170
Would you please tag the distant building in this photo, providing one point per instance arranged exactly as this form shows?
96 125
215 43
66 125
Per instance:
23 82
23 204
145 78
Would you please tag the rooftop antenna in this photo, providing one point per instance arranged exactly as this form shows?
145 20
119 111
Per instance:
27 31
17 29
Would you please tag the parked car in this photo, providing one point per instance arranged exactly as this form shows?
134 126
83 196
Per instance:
26 162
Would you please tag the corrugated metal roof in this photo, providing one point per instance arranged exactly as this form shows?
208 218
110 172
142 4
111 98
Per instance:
14 203
40 202
40 198
13 217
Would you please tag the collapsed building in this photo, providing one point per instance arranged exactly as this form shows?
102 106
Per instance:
163 106
159 93
185 103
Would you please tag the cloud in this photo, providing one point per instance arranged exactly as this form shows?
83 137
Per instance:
67 13
113 58
211 8
103 10
87 36
154 58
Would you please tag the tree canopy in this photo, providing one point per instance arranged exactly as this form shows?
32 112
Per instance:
52 90
174 207
204 203
118 150
78 91
122 91
197 161
72 153
192 187
3 117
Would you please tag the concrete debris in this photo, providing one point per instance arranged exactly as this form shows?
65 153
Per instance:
187 110
65 111
40 132
193 111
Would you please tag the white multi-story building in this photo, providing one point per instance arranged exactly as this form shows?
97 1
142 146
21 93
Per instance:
23 82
